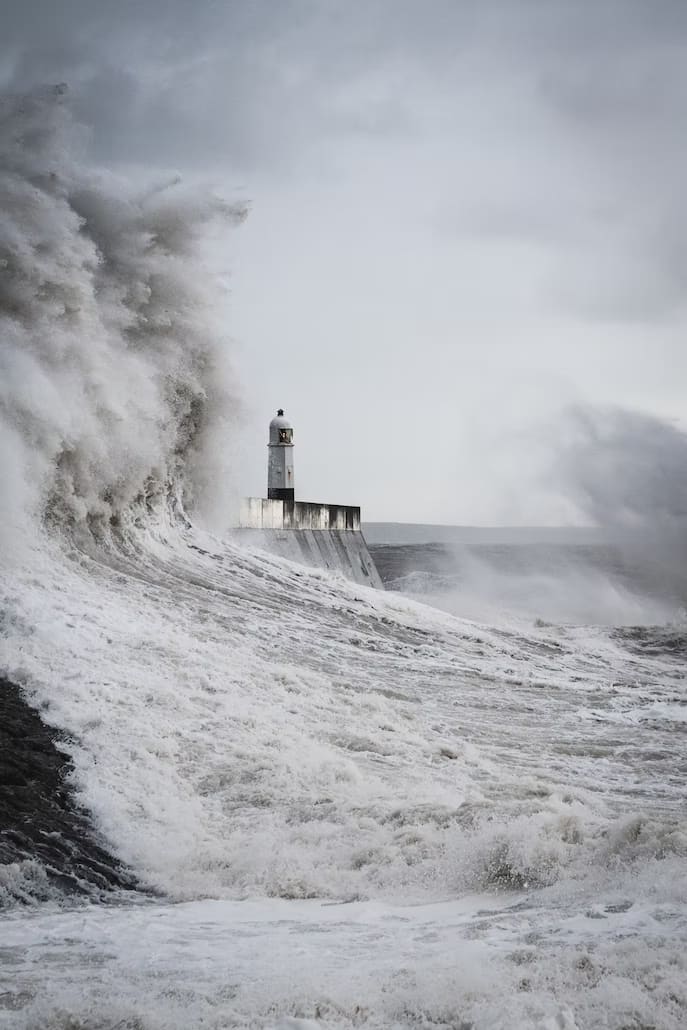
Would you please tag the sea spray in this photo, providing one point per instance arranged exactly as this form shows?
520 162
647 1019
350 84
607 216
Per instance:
114 380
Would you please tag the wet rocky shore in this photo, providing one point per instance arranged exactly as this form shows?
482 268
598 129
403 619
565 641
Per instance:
48 845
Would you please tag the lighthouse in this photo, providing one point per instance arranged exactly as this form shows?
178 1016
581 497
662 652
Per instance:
325 536
280 481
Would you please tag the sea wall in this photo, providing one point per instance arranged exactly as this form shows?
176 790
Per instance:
325 536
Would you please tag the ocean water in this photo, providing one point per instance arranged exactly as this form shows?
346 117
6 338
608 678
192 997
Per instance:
566 575
456 803
353 809
350 808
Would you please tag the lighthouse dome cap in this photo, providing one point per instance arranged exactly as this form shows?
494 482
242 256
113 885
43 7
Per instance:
280 421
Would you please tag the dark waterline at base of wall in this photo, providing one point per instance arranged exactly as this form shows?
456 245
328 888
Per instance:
40 822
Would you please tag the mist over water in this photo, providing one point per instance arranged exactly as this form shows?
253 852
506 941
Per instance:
626 471
598 583
624 474
331 806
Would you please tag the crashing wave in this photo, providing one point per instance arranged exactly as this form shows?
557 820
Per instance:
114 381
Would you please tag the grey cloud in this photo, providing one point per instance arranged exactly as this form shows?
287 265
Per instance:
552 124
188 84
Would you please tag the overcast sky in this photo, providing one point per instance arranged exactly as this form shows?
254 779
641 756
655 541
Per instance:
465 218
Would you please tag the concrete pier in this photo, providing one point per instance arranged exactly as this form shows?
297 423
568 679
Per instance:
320 535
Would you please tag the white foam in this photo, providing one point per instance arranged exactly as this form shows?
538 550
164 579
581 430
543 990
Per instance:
238 730
480 961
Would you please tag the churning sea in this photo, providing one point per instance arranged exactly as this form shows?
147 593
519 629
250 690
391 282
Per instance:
458 803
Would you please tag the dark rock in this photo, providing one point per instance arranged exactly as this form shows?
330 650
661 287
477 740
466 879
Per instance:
41 826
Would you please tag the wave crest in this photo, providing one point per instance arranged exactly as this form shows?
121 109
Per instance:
115 381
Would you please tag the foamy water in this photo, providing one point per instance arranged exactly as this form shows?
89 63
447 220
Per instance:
482 824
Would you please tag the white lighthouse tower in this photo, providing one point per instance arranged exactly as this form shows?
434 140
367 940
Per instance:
280 481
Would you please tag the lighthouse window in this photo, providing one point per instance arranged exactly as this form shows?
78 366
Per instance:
285 435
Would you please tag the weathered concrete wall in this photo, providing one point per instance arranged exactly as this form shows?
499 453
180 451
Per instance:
257 513
342 551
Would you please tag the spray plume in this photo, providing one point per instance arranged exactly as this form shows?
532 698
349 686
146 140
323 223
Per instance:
114 379
627 473
627 470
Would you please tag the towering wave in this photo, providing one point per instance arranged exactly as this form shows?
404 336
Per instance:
116 404
115 384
